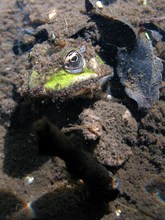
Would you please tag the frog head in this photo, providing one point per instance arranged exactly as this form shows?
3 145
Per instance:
65 72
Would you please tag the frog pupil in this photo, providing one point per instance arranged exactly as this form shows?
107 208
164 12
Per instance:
74 59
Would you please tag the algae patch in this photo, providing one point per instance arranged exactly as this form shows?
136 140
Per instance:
63 79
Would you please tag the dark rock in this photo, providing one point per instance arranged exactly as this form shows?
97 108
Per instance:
140 72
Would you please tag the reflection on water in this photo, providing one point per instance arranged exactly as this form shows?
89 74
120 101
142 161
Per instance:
157 189
27 212
13 207
9 203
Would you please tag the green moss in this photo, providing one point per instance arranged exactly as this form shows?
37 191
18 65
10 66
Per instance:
63 79
34 80
99 60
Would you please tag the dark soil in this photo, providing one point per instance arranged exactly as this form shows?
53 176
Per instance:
137 138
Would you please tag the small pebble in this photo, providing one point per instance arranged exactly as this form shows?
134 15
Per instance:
118 212
29 179
99 5
52 14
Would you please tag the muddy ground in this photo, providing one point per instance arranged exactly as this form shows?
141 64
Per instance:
39 187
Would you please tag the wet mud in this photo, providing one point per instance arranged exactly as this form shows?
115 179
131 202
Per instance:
127 141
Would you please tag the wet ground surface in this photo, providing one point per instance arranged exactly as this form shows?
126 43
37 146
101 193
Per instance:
131 142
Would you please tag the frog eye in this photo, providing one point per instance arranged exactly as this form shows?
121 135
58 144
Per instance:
74 62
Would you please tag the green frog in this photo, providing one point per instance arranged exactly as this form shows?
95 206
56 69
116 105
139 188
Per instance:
69 69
